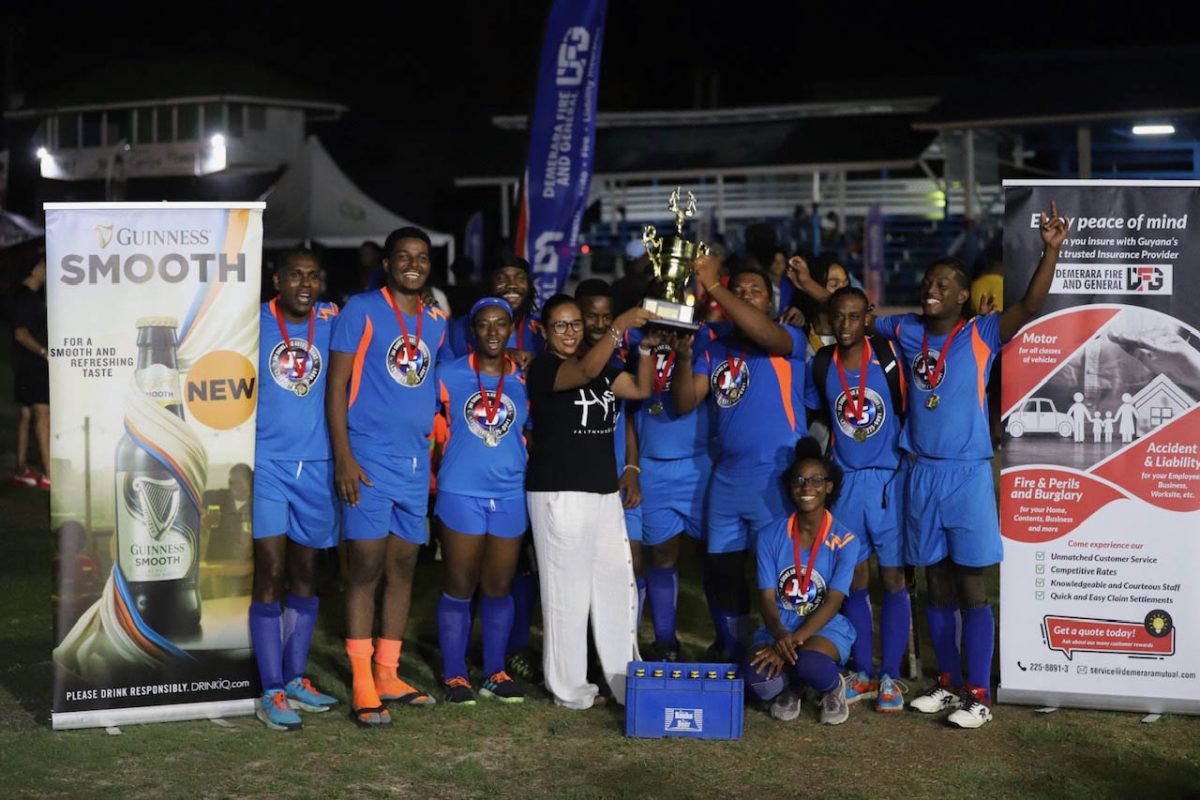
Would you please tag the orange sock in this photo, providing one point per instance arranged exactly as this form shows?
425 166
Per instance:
386 660
365 694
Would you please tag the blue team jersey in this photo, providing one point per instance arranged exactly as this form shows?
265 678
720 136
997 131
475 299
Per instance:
958 426
527 336
760 413
779 572
390 400
879 422
662 433
291 422
482 459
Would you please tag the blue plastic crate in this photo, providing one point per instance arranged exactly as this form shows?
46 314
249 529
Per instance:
697 701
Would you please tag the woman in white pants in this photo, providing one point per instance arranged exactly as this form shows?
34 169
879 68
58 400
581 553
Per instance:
574 508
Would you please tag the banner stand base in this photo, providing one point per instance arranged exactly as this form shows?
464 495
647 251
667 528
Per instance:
114 717
1099 702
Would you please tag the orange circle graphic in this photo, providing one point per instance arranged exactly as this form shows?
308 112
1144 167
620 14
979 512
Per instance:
221 389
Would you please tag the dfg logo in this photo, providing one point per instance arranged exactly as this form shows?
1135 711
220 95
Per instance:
572 56
1148 279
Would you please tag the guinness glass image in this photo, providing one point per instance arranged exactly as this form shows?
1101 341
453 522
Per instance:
158 514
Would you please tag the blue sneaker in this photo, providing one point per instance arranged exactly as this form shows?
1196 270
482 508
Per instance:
860 686
276 713
891 695
302 694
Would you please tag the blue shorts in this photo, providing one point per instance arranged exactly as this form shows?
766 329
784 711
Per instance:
633 522
396 504
740 506
673 493
838 630
951 511
296 498
504 517
870 504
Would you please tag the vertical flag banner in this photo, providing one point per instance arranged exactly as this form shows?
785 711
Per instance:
153 324
562 142
1100 485
873 261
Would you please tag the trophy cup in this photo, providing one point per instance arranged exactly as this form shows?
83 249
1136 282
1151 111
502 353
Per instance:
671 258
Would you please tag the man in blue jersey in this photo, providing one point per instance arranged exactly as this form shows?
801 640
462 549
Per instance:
294 513
381 401
753 373
951 525
855 382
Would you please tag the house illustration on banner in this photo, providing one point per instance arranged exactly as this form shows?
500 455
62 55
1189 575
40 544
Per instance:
1159 402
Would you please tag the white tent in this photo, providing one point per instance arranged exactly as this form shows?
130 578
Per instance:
315 201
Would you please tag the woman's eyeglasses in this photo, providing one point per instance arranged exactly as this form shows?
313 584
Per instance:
813 481
561 326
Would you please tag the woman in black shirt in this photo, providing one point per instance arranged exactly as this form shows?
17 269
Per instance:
574 507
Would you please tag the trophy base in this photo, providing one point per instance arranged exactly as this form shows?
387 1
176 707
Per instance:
673 317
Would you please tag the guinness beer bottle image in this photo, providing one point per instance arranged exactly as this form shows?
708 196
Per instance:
158 512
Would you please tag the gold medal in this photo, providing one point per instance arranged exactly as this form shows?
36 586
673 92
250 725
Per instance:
932 402
411 377
860 435
655 409
300 388
491 438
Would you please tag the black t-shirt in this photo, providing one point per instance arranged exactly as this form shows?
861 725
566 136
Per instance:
27 309
572 431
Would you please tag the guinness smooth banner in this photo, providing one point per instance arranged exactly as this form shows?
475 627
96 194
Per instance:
1100 486
153 314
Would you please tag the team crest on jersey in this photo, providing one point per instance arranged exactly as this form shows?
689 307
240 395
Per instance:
922 367
294 369
728 391
873 413
403 371
475 413
661 353
787 589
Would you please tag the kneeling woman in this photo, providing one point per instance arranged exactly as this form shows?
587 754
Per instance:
578 523
805 564
480 512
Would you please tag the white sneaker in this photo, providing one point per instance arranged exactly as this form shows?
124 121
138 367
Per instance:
935 701
972 715
786 707
834 708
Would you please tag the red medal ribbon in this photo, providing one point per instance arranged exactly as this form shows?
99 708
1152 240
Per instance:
855 408
410 353
941 362
822 532
490 411
735 366
660 379
302 367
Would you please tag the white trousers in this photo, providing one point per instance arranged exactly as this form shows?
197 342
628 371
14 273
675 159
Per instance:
585 567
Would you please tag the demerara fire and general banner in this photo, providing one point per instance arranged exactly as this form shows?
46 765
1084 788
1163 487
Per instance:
153 327
1100 486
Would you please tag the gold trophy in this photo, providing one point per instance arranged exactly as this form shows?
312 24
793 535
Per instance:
671 258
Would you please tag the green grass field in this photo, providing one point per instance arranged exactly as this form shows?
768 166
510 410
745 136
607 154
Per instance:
536 749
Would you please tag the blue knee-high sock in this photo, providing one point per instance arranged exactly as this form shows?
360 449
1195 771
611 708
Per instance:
895 618
523 592
978 641
662 585
266 636
454 629
496 620
299 621
710 596
641 590
857 609
817 670
732 635
943 630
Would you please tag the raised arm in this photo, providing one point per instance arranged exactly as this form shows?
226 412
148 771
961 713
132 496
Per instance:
626 386
1054 233
688 389
576 372
757 326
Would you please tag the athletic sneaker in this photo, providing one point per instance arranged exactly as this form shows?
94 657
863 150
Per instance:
302 694
276 713
975 712
524 666
786 706
503 688
459 692
44 482
860 686
891 695
664 652
939 698
834 708
26 478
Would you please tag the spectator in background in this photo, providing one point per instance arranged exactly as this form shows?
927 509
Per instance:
370 266
630 288
762 245
228 516
31 371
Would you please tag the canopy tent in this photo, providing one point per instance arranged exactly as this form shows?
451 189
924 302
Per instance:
315 201
15 229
